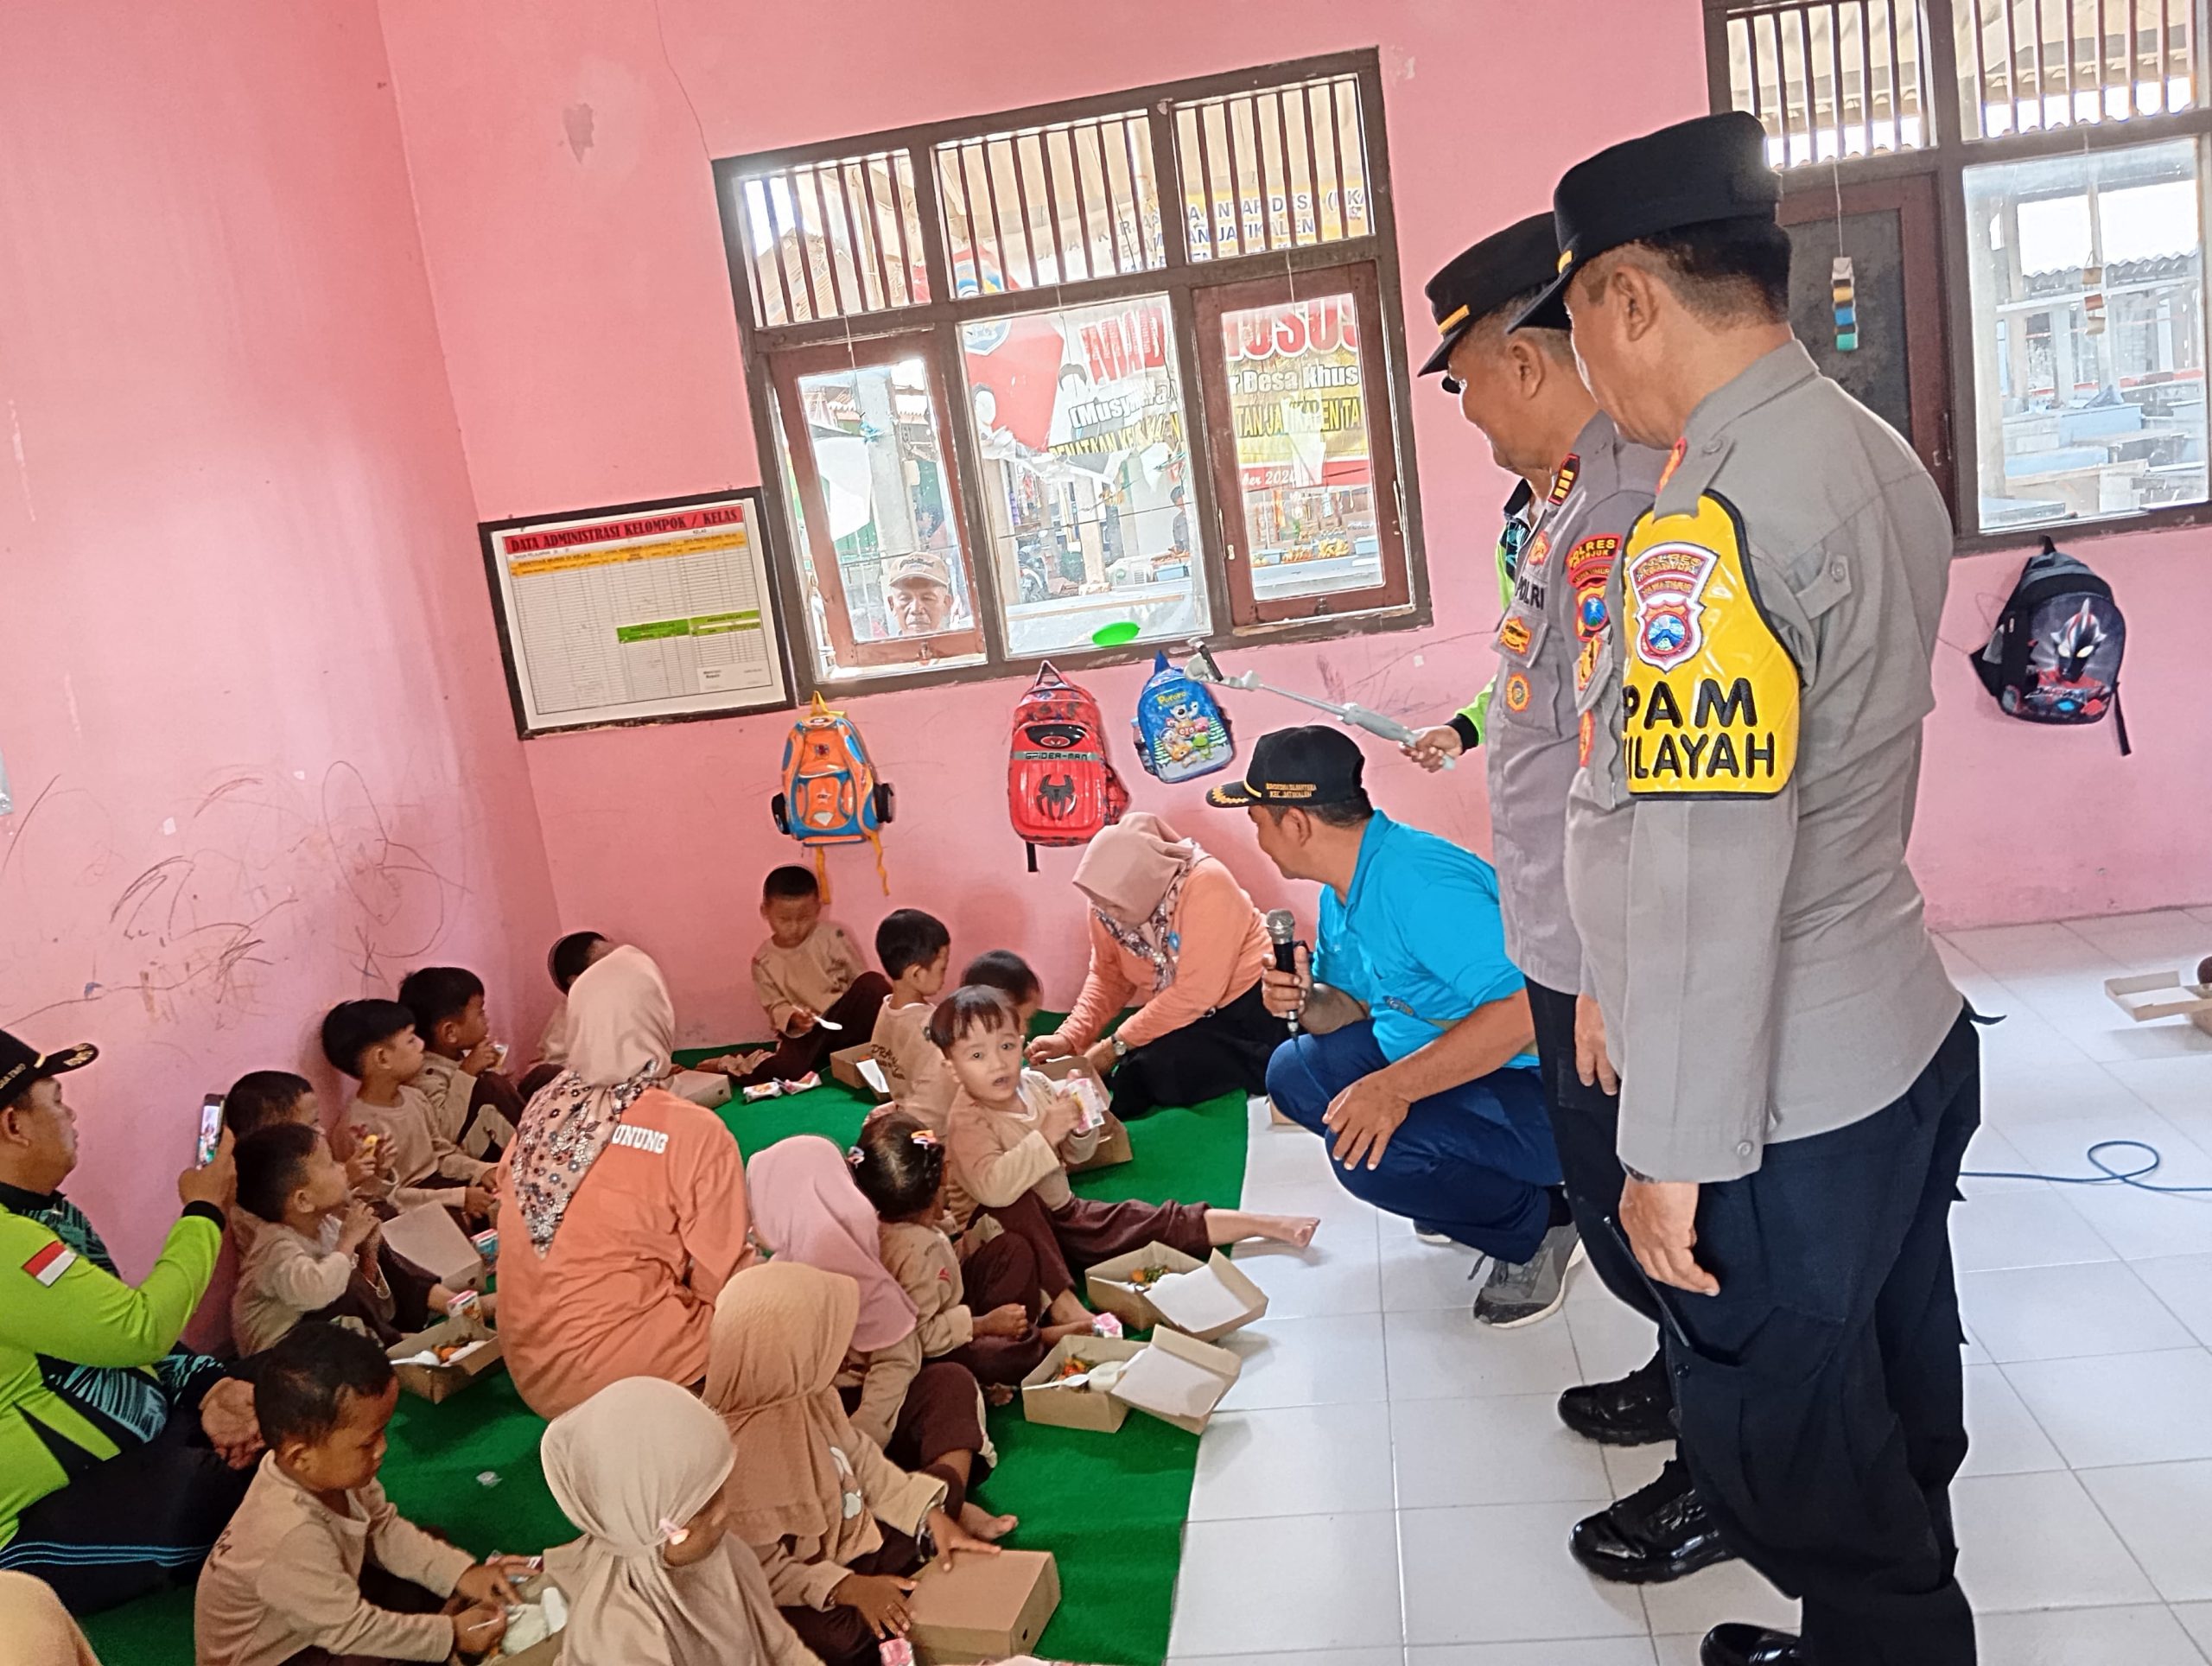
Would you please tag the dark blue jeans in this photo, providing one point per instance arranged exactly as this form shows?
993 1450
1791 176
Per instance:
1473 1161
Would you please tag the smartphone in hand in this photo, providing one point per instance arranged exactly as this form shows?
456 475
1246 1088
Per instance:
211 1129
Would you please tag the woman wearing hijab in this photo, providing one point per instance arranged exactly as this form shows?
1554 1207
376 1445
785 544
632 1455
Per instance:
929 1418
621 1207
658 1579
1171 930
37 1627
838 1527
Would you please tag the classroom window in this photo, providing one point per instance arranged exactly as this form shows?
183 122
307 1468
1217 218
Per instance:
1127 361
2018 185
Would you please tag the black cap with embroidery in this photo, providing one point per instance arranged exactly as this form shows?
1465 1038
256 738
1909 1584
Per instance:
1297 769
1695 173
1502 268
21 1065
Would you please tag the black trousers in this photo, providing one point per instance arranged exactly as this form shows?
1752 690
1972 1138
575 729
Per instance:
132 1524
1820 1398
1223 1050
1587 1126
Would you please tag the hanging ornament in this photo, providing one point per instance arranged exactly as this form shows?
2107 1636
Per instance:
2093 301
1844 290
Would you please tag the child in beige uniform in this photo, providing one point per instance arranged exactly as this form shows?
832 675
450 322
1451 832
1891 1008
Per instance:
1014 1134
472 1103
916 950
316 1253
375 1042
316 1558
817 992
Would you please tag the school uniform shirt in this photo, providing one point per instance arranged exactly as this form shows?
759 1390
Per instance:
1736 838
1221 945
1546 639
1418 937
553 1041
1000 1154
87 1360
628 1286
283 1277
800 1574
927 1267
812 975
415 1151
286 1576
914 1067
883 1376
451 1091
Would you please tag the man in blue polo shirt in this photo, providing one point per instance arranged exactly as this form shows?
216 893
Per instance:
1414 1055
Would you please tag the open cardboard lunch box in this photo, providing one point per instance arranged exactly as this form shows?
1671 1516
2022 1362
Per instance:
1204 1299
1077 1075
1174 1377
436 1383
858 1069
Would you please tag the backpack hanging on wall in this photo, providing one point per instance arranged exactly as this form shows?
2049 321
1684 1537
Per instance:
1060 789
1181 731
830 793
2055 655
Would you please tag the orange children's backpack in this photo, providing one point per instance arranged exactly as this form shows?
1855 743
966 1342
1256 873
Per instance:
1060 787
830 793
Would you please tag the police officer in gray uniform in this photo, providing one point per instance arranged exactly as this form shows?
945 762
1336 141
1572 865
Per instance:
1799 1077
1584 487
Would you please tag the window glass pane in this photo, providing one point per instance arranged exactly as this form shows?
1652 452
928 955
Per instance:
2028 64
1829 79
2088 285
871 438
1085 453
1282 168
1297 395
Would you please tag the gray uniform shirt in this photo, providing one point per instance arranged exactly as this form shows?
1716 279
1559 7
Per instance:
1762 961
1556 608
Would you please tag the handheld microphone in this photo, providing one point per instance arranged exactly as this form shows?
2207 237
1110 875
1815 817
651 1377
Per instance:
1282 931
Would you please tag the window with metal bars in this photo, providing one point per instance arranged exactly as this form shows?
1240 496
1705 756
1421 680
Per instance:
1083 379
2020 186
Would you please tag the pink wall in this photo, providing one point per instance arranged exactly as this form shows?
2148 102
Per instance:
261 759
560 151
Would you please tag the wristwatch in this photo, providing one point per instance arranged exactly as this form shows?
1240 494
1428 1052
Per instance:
1120 1047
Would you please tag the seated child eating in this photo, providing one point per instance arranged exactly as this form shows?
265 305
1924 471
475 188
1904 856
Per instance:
261 1098
315 1257
657 1579
818 994
982 1313
837 1526
915 948
375 1042
1014 1134
472 1103
1009 974
316 1558
927 1418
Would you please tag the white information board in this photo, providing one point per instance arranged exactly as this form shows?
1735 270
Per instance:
647 612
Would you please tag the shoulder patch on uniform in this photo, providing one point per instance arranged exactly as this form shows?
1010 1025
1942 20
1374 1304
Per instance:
51 1262
1539 551
1680 449
1710 704
1589 565
1516 692
1513 636
1563 482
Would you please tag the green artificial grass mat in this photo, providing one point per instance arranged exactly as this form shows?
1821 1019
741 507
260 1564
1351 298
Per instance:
1110 1507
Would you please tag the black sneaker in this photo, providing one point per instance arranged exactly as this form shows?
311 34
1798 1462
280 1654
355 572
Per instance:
1749 1645
1636 1411
1660 1534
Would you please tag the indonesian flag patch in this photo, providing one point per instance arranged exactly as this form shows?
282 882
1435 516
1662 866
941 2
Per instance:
51 1262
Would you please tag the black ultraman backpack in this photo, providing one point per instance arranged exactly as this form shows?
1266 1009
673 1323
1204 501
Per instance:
2055 655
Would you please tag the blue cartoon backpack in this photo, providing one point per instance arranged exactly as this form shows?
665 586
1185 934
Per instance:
832 795
1181 733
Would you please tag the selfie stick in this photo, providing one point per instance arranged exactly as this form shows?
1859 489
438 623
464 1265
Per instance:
1202 669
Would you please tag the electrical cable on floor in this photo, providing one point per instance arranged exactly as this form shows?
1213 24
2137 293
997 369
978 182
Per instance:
2108 1176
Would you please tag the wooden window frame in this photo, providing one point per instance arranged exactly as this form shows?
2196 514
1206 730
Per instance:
1181 280
1945 160
1214 302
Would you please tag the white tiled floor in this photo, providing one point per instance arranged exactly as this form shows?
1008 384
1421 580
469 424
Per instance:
1388 1485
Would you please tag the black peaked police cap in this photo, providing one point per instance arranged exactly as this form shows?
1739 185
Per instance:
1297 768
1476 282
21 1063
1694 173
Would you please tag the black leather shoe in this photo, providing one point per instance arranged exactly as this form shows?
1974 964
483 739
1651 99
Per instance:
1749 1645
1636 1411
1661 1533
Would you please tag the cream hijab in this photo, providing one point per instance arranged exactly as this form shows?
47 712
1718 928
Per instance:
630 1466
43 1633
1132 872
621 1031
780 1332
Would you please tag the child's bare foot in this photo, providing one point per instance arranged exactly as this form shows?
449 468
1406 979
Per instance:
1295 1229
985 1526
1055 1334
997 1394
1067 1308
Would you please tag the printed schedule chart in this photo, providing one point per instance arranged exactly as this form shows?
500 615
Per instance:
663 610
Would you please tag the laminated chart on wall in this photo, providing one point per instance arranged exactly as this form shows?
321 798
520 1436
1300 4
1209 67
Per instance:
649 611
